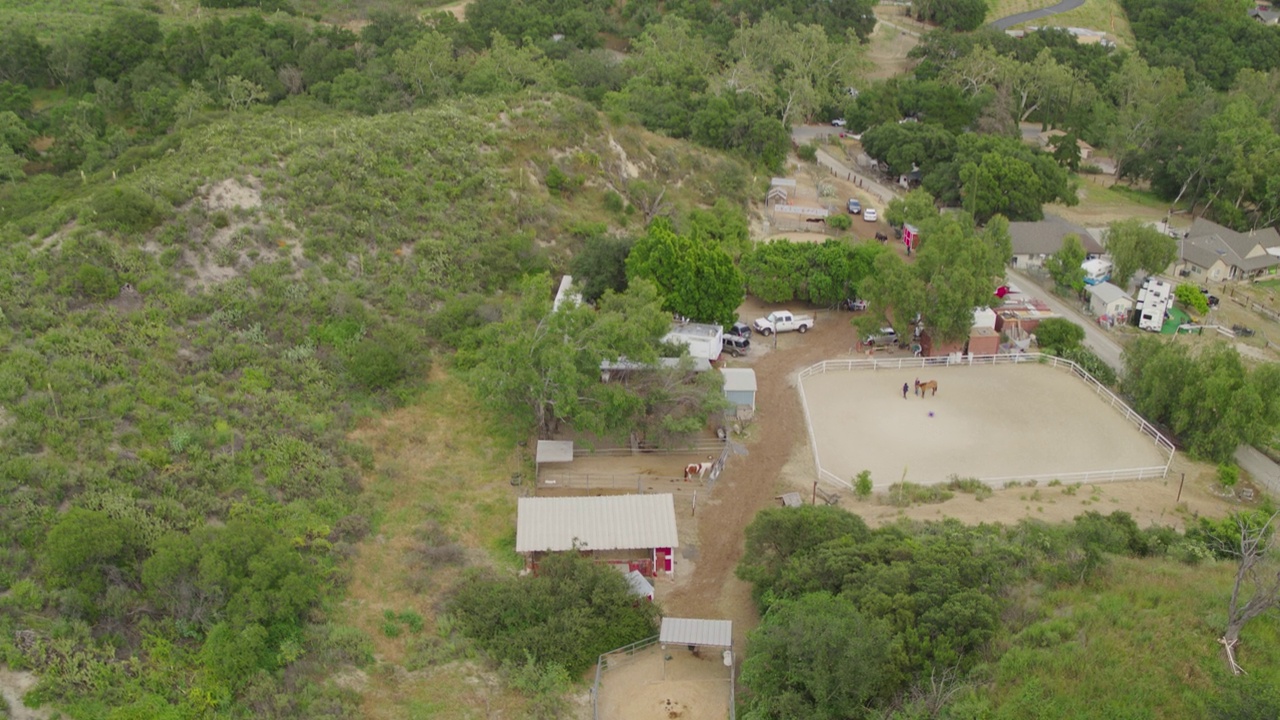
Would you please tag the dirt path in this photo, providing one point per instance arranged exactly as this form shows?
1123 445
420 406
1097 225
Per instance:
751 483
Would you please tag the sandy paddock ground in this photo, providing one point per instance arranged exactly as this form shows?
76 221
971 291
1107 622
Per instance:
633 688
987 422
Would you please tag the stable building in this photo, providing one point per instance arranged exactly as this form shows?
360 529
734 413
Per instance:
637 532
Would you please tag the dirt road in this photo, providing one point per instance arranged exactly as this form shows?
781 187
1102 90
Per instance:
751 483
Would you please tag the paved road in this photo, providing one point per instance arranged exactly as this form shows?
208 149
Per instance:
1095 338
1005 23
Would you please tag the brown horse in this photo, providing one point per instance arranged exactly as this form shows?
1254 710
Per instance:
927 385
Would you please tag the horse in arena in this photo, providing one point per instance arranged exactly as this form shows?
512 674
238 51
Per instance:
927 385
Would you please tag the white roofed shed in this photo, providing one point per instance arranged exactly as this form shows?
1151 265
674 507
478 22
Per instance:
692 631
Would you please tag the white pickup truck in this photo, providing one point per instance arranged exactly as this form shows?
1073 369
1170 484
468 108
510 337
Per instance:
783 321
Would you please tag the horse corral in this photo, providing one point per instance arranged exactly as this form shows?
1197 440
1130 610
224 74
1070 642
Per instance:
997 423
668 683
677 470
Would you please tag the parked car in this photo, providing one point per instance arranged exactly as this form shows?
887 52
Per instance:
739 329
855 207
870 215
736 345
838 122
854 305
886 336
1212 299
783 321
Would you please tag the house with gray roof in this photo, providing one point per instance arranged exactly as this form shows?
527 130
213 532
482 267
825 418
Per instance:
1211 252
1035 241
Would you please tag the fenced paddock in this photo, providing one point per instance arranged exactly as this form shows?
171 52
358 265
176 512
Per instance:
637 682
649 471
997 418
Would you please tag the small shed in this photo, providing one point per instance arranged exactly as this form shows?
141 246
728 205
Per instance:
696 633
636 531
984 317
552 451
1110 300
740 386
640 585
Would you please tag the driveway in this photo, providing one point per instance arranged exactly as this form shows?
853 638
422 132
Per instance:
1005 23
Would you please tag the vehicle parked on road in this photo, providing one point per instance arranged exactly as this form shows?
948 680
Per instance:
855 207
736 345
854 305
838 122
783 321
870 215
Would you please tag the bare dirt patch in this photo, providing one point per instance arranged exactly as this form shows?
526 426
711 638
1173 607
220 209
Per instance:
647 686
889 45
231 194
13 685
1010 421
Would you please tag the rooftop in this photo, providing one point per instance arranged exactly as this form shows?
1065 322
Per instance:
739 379
1044 237
691 631
609 522
1108 293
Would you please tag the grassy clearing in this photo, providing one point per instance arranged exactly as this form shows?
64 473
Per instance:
997 9
1138 643
441 474
1101 203
1104 15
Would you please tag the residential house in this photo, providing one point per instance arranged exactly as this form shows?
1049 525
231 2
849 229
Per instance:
1049 137
1107 300
1035 241
1211 252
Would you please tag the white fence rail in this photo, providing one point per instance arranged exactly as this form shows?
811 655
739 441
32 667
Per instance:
899 363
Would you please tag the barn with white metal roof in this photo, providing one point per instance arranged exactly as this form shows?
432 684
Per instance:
636 530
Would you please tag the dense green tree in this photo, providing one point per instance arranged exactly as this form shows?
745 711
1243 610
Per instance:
915 207
822 274
1066 265
1210 400
696 277
1191 298
957 268
86 549
837 661
601 265
22 57
776 535
725 224
951 14
567 614
1059 335
1135 246
910 146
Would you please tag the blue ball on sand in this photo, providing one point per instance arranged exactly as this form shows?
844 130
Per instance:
930 413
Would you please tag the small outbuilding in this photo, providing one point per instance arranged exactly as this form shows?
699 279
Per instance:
696 633
1110 300
740 387
636 531
552 452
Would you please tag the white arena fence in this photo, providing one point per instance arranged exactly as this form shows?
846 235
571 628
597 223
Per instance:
899 363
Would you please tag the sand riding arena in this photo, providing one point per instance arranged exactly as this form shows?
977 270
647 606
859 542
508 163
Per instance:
998 418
